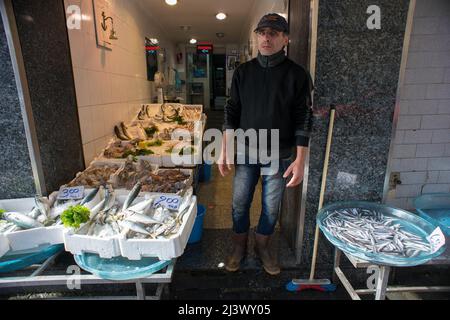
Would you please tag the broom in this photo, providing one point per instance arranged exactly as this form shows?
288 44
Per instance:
323 285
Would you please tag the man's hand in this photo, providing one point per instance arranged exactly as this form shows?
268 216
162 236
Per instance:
224 163
297 171
297 168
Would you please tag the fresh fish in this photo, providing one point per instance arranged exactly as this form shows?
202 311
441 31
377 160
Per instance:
43 205
140 218
91 195
110 199
131 226
21 220
142 114
119 133
132 196
125 131
148 111
142 206
35 213
99 207
372 232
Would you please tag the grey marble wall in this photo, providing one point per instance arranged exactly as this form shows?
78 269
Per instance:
43 36
16 177
358 71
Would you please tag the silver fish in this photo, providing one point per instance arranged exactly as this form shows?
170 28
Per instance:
22 220
128 225
91 195
140 218
132 196
43 205
371 231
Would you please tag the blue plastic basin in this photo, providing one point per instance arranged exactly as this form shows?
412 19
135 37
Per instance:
435 208
197 230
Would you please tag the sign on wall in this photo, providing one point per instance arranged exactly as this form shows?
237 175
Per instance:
103 20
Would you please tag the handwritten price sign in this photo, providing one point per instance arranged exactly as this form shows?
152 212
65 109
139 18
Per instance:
169 202
75 193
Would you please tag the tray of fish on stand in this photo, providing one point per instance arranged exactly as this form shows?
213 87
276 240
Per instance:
380 234
133 227
33 222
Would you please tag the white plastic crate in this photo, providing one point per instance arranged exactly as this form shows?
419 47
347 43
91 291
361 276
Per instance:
33 238
163 249
78 244
4 245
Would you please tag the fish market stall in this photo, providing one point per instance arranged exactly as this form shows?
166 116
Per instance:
371 234
126 218
142 237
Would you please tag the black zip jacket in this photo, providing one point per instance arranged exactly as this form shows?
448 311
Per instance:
272 92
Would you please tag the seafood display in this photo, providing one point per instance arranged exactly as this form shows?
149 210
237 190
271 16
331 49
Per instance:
373 232
134 219
94 176
151 178
170 112
141 148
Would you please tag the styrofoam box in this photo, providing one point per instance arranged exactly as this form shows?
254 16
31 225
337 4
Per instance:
106 248
33 238
4 245
163 249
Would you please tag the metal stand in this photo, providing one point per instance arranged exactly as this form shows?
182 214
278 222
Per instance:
382 287
36 279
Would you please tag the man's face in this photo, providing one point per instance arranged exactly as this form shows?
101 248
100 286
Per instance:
271 41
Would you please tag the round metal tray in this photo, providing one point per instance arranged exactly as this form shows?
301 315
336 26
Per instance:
409 222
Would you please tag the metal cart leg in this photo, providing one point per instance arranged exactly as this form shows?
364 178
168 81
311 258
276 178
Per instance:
140 290
337 262
383 278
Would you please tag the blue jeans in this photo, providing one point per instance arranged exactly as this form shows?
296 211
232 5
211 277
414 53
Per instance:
245 180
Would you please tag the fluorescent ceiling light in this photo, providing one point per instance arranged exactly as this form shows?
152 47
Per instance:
193 41
221 16
171 2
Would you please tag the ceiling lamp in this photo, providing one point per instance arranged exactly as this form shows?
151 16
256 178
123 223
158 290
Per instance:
171 2
221 16
193 41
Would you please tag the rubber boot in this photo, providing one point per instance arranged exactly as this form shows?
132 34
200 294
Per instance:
268 260
239 252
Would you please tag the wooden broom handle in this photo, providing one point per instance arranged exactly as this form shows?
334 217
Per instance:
322 191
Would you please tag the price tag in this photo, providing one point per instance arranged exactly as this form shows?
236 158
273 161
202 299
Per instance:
436 239
169 202
75 193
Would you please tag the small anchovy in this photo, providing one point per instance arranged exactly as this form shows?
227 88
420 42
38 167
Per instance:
371 231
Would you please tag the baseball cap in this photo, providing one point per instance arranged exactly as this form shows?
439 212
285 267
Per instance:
274 21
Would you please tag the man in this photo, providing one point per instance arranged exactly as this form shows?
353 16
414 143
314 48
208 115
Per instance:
269 92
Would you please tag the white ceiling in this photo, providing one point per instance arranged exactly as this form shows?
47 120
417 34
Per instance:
201 16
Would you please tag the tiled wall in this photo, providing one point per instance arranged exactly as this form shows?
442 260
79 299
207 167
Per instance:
422 147
111 85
